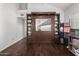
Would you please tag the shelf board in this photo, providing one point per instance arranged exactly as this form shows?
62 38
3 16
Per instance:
71 51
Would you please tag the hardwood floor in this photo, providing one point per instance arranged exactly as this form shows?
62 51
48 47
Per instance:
18 49
47 50
35 49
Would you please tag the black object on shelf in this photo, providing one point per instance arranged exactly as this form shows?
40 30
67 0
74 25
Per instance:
65 41
66 35
61 33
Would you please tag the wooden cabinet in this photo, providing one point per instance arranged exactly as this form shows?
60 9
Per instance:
56 27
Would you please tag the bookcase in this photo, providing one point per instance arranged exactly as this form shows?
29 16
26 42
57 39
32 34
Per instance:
29 26
56 24
57 28
73 43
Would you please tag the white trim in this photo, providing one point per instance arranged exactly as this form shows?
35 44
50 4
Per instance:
11 44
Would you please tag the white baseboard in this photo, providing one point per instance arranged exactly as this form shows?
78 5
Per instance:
11 43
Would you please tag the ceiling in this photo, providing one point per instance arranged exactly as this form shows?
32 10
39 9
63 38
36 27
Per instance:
58 5
62 5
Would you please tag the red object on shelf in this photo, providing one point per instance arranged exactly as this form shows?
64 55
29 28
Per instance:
67 29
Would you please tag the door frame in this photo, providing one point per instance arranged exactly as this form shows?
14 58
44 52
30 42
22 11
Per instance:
44 15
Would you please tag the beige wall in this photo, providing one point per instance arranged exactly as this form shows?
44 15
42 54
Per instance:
11 28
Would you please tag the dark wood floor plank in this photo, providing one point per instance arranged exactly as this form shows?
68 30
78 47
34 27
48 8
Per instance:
18 49
35 49
48 50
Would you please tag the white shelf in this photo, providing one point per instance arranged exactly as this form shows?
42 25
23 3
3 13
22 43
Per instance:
71 51
74 51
